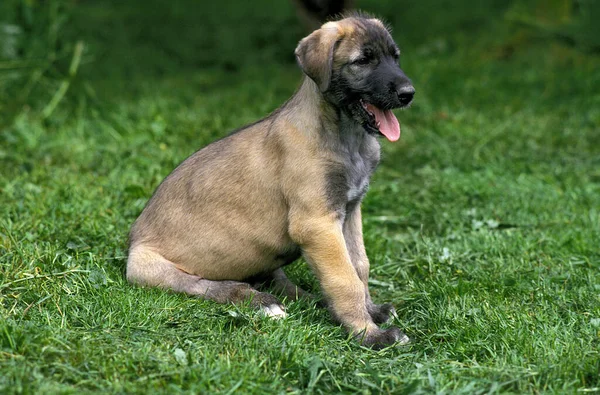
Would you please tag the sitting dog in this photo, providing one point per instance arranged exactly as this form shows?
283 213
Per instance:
289 185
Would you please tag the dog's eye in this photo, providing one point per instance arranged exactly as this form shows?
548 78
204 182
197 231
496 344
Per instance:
362 61
366 58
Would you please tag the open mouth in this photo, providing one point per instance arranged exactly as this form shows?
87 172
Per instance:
382 121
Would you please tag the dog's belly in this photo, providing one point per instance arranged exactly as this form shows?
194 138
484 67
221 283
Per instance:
220 245
249 260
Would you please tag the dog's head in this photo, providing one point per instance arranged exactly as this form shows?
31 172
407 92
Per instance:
355 64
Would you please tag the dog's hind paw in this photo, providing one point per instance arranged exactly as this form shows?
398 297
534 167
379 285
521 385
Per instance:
274 311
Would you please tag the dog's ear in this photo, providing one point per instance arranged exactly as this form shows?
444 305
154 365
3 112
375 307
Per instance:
315 54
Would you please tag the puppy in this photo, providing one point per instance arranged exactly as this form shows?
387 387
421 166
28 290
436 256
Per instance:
287 186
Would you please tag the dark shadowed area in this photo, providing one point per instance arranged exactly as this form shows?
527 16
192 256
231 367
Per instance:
482 222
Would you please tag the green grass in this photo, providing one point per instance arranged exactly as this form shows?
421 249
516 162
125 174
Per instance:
482 222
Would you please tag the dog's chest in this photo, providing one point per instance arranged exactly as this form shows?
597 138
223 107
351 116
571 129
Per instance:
358 175
348 180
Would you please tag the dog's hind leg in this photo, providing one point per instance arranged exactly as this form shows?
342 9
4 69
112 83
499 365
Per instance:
282 284
148 268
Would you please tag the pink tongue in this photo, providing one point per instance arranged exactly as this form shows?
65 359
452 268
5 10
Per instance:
388 123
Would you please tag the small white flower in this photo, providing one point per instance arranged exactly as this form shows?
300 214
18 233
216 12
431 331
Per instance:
470 212
445 255
492 224
180 356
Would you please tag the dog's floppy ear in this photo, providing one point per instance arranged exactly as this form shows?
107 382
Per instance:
315 54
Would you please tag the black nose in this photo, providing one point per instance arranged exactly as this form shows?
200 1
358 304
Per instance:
406 94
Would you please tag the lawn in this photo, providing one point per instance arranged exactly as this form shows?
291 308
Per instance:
482 223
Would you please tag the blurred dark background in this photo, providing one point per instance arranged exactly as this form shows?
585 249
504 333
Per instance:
55 52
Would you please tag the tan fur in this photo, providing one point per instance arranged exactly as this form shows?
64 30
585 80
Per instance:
230 210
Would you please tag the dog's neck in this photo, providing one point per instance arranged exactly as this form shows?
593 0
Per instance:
311 113
308 110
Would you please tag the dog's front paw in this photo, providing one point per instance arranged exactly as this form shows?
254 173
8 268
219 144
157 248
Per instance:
381 338
381 313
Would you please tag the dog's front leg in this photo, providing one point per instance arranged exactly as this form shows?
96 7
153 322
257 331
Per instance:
324 247
356 248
